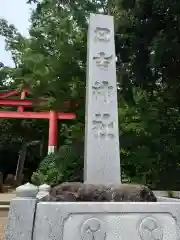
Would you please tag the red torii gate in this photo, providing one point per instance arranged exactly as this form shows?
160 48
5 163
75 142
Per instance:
22 103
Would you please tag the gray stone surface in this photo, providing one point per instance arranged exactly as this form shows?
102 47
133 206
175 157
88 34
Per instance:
27 191
44 190
107 221
21 214
165 199
102 157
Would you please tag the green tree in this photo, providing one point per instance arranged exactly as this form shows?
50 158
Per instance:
147 46
52 61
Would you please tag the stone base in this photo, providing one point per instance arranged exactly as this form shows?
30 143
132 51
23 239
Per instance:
107 221
123 219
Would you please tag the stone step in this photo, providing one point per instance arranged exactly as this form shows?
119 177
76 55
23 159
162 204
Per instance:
3 208
5 198
4 203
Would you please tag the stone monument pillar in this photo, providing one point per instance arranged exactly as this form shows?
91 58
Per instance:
102 154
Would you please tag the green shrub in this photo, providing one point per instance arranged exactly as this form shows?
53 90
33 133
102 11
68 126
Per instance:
65 165
170 194
47 172
70 159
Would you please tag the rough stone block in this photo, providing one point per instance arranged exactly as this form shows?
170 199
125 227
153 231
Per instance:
79 192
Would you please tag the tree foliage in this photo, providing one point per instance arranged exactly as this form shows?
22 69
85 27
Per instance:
52 61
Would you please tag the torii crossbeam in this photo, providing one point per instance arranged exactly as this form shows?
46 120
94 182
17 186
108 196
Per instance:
22 103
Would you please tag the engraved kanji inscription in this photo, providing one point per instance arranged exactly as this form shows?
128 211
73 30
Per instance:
102 90
102 34
102 126
150 229
93 229
103 61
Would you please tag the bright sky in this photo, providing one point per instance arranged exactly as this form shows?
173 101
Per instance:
16 12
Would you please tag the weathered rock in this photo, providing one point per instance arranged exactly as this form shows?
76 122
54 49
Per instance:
132 193
79 192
